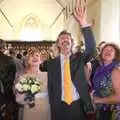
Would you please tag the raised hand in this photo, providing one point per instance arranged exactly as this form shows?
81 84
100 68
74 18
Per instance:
80 12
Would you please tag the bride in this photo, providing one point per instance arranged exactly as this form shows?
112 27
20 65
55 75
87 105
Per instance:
41 110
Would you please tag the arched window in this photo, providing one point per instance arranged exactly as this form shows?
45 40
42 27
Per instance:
31 29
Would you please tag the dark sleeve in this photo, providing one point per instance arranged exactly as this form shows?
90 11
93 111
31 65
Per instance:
44 67
9 75
8 81
90 44
51 96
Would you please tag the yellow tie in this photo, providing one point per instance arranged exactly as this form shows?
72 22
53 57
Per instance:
67 83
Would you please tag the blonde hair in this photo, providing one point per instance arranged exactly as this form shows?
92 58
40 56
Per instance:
31 51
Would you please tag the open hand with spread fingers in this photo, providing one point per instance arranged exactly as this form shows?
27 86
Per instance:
80 13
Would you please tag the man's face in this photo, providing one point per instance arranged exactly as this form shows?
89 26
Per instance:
65 43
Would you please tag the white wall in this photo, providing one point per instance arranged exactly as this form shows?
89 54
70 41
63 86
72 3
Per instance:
110 21
94 11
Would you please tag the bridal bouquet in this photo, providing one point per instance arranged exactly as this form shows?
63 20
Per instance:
29 86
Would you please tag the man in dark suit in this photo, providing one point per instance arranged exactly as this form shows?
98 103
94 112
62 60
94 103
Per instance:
79 103
7 76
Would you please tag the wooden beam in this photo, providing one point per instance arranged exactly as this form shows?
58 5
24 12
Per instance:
57 17
60 3
6 18
1 1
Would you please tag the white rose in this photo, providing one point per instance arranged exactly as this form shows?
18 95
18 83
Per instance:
26 87
23 80
36 82
19 87
35 88
30 81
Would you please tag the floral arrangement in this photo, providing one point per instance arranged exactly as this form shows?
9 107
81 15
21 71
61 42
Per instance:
29 86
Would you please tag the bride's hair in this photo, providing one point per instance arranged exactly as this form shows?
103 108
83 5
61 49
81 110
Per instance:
31 51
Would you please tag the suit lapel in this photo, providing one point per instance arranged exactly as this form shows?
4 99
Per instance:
72 67
74 64
58 74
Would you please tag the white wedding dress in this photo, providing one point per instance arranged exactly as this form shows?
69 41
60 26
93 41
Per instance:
41 110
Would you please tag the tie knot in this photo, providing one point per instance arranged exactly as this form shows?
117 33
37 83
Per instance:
66 61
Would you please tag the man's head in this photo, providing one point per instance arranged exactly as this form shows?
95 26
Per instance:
65 42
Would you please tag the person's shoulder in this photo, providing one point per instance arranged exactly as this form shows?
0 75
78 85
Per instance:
7 57
76 55
116 71
117 66
53 59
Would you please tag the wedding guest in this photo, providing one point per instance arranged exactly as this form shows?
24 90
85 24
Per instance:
18 62
41 110
106 83
69 97
7 76
95 62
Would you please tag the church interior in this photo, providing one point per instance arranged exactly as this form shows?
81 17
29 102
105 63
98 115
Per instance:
36 23
42 20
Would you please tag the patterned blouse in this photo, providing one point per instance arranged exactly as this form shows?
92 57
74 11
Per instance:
102 83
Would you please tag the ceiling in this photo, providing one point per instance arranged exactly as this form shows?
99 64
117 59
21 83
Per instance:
51 14
47 10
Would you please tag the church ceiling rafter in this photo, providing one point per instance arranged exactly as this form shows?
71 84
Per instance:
6 18
42 8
